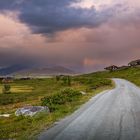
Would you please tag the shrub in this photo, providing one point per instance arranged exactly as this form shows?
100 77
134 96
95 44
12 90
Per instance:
64 79
58 78
6 89
69 81
59 98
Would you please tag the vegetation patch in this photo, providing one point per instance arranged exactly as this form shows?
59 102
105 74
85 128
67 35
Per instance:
62 95
6 89
60 98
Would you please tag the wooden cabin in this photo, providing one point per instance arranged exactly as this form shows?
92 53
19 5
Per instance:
7 80
112 68
134 63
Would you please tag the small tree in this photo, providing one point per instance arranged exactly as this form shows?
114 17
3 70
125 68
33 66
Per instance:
57 78
69 81
64 80
6 88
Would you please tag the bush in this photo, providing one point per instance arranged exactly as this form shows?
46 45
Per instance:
69 81
58 78
59 98
6 89
64 79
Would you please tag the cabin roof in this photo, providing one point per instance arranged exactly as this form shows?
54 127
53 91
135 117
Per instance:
111 66
135 61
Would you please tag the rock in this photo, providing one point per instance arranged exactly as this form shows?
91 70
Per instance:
5 115
83 93
31 110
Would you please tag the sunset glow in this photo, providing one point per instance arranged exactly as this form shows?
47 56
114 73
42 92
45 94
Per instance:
72 33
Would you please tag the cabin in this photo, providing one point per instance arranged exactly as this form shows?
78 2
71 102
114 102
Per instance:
112 68
134 63
7 80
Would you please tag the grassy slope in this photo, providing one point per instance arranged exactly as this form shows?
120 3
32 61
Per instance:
131 74
22 128
26 127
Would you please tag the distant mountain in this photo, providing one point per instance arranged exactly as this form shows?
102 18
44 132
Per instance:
11 69
56 70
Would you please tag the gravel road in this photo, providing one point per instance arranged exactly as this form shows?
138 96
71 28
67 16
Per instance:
111 115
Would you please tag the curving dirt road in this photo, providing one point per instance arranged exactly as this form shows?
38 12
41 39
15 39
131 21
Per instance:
111 115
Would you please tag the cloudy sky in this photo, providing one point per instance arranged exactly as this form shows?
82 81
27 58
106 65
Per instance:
85 35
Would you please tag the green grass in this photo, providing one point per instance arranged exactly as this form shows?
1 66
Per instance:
31 92
131 74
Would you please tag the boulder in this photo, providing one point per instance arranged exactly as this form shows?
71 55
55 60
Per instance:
31 110
5 115
83 93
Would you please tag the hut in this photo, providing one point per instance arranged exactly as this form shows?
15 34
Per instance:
7 80
134 63
112 68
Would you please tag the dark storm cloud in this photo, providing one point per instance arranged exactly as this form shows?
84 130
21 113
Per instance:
15 56
116 41
50 16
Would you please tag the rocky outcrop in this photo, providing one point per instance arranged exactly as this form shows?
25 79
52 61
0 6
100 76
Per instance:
31 110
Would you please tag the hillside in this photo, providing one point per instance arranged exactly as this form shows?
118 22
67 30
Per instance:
37 91
57 70
132 74
11 69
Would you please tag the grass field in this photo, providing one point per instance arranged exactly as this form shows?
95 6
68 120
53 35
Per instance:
31 92
131 74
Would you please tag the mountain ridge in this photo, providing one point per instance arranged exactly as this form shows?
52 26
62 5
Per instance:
55 70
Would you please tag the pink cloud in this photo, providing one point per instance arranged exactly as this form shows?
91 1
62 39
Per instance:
114 42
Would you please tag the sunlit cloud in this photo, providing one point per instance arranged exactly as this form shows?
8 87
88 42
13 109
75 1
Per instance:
83 4
91 3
